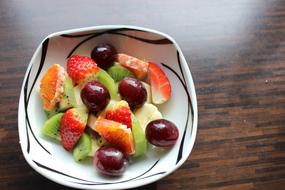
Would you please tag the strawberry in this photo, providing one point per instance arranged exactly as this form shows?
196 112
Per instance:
79 67
72 126
137 66
121 113
160 85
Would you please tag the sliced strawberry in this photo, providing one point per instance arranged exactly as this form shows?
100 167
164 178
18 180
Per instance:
116 134
121 113
72 126
160 85
79 67
137 66
51 87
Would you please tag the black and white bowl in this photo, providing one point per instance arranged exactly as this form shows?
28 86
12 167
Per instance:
52 161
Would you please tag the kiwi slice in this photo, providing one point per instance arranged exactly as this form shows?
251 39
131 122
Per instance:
118 72
139 137
94 148
109 83
51 127
68 99
103 77
101 141
64 103
83 147
52 112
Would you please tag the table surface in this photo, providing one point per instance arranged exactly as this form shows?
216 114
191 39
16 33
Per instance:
236 53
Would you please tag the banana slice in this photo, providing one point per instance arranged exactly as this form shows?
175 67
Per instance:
91 121
147 113
147 87
77 91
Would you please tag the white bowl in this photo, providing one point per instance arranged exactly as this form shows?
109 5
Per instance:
52 161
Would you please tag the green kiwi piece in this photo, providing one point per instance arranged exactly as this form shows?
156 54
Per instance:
64 103
52 112
101 141
81 113
51 127
118 72
83 147
103 77
94 148
68 99
139 137
109 83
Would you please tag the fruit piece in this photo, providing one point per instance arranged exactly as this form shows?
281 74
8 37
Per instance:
51 127
104 55
111 105
133 91
72 126
94 148
77 92
100 141
120 112
162 133
80 67
117 72
104 78
91 120
139 137
146 114
95 96
148 91
51 87
68 99
160 85
109 83
64 104
52 112
137 66
110 161
83 147
116 134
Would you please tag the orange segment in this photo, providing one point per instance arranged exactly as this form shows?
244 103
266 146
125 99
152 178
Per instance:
51 86
116 134
137 66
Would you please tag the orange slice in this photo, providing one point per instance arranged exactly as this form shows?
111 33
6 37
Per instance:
137 66
116 134
51 86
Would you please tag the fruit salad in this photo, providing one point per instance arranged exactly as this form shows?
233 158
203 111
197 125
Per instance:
105 107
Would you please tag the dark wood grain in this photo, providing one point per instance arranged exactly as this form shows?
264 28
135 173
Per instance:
236 53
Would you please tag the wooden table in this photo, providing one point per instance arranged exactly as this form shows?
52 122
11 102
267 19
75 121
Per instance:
236 53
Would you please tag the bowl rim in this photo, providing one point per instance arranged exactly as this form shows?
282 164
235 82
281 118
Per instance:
186 71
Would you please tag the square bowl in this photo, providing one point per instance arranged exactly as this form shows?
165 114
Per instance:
52 161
